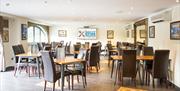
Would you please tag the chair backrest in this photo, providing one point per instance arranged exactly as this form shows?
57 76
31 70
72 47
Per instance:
16 50
21 48
77 47
109 46
94 56
129 63
40 46
160 63
49 66
148 51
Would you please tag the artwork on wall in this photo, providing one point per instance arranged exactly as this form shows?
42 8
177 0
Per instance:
5 37
110 34
142 34
23 31
62 33
175 30
152 32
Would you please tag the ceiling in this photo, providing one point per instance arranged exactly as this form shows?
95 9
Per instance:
84 10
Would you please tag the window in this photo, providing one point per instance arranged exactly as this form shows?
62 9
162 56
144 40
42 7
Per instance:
37 34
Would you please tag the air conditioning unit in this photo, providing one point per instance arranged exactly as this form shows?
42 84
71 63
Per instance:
165 16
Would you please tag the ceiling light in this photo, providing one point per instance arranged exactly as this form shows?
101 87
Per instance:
132 8
177 1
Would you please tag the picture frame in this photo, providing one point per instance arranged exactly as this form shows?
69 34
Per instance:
62 33
24 31
142 33
151 31
110 34
5 36
175 30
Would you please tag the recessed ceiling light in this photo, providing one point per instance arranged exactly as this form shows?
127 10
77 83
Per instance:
119 12
132 8
7 4
177 1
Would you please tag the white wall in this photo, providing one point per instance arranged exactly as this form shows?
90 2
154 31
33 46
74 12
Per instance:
102 28
162 41
14 37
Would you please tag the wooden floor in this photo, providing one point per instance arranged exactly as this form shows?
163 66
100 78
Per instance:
95 82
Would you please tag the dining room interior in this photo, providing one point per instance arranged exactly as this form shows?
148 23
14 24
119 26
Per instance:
89 45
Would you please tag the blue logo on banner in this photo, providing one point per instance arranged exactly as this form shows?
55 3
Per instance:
90 33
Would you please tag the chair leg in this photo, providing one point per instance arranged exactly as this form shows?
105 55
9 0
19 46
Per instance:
166 82
83 81
77 78
97 68
45 85
153 82
68 82
72 82
53 86
112 68
15 69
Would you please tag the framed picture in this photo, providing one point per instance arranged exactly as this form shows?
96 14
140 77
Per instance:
110 34
142 33
175 30
5 36
152 32
23 31
62 33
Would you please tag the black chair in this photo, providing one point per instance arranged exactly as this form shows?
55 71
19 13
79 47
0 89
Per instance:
147 51
110 53
80 68
40 46
76 48
160 65
94 57
50 72
128 67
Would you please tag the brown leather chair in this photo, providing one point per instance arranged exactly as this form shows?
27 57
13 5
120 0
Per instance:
50 72
160 65
128 67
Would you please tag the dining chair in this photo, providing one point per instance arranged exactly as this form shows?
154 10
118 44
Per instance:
147 51
93 59
23 62
160 66
110 53
76 48
80 68
51 74
128 66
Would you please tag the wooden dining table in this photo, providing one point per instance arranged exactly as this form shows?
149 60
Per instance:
29 55
138 58
62 63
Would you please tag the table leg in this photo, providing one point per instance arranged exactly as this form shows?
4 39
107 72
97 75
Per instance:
62 77
139 73
143 73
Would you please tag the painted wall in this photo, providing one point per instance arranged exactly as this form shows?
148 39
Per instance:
162 41
72 30
14 37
